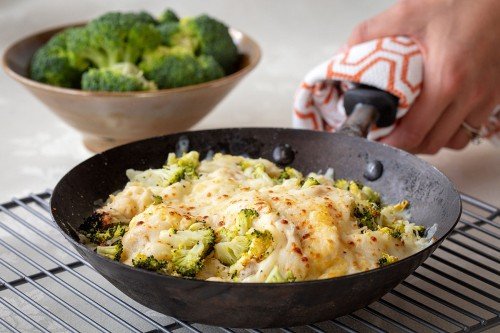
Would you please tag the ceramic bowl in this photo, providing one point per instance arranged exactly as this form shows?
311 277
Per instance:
108 119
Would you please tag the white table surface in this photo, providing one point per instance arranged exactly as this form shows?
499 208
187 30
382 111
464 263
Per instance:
36 148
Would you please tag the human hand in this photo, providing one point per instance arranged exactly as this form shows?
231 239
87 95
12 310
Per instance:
459 40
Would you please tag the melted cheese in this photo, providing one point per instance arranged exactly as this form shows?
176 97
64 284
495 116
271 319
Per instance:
314 232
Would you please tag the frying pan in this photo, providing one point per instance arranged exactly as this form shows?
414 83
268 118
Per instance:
394 173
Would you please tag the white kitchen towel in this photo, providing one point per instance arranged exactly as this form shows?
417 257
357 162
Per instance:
393 64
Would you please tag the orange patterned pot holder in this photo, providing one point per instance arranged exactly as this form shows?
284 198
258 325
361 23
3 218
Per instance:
393 64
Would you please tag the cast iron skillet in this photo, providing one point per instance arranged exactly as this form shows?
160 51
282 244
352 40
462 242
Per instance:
433 200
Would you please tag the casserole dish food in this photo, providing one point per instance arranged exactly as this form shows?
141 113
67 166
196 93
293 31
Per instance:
393 173
232 218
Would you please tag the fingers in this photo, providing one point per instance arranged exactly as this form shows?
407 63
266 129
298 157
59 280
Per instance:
443 130
416 124
459 140
444 80
477 117
448 130
426 128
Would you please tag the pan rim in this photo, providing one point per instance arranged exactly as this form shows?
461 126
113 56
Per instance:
432 247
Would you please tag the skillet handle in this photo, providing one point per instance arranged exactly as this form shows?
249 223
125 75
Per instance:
366 105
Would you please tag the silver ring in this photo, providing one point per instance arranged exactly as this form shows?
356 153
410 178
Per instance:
475 134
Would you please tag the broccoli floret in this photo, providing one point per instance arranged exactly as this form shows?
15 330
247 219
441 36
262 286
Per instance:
91 224
190 159
171 159
363 193
189 261
367 209
188 238
259 171
341 184
244 220
114 38
253 245
176 67
225 234
275 276
128 33
52 64
229 252
367 215
170 68
310 181
387 259
118 77
99 230
190 247
167 32
81 49
208 36
419 230
203 35
168 16
113 252
175 174
209 69
157 177
109 235
149 263
289 173
369 194
59 40
245 164
144 17
395 232
188 162
398 228
174 34
355 189
259 247
260 243
141 38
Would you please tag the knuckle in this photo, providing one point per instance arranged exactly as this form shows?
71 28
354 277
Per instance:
454 77
404 7
360 32
410 12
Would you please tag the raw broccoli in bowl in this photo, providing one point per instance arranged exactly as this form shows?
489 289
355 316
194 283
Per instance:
121 52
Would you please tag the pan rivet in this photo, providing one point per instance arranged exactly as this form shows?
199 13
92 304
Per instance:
373 170
283 154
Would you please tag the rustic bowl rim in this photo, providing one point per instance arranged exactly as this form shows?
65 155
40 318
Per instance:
253 61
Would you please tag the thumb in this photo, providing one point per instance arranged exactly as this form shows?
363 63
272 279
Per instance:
392 22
